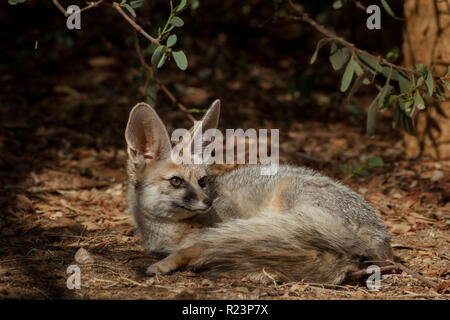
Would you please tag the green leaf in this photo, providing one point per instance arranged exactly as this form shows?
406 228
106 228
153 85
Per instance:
157 54
418 101
196 110
14 2
388 8
358 70
152 92
181 6
386 71
348 75
355 88
393 54
337 4
136 3
404 83
420 81
348 169
338 56
130 9
375 162
372 117
176 22
429 82
403 120
320 44
386 89
171 40
363 172
447 84
440 91
422 68
366 81
162 60
355 109
407 105
195 4
180 59
371 64
170 28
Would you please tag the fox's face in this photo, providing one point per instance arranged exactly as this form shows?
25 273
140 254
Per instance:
174 191
158 186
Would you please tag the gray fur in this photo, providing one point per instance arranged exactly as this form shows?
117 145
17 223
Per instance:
296 224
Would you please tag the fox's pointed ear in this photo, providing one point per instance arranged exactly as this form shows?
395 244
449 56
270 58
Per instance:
211 118
209 121
146 136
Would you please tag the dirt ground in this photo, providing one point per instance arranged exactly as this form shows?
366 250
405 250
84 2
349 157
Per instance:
63 183
77 200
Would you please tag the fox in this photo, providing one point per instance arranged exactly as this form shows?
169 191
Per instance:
294 225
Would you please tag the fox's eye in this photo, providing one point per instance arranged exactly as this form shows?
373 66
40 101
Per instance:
202 182
176 182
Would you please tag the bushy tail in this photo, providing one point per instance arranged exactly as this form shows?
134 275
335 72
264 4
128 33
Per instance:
316 247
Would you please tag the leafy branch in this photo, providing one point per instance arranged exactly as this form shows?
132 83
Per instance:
413 91
139 29
159 54
163 51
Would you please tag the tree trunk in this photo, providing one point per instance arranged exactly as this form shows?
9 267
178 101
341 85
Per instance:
426 39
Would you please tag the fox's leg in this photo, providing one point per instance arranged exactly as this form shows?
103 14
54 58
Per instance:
176 260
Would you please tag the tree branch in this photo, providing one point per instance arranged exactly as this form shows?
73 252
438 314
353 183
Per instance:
60 7
89 6
174 100
327 33
432 284
160 84
135 25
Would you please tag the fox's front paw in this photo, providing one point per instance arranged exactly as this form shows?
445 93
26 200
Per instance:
160 267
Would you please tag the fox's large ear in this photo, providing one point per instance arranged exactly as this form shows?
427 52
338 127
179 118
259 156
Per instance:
211 118
146 136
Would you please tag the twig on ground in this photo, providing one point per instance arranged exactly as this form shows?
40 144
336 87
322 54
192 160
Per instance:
42 292
270 277
432 284
364 271
114 271
36 190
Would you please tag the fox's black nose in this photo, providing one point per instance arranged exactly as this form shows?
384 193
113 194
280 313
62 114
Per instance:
208 202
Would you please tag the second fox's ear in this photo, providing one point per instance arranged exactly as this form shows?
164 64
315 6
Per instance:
146 136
